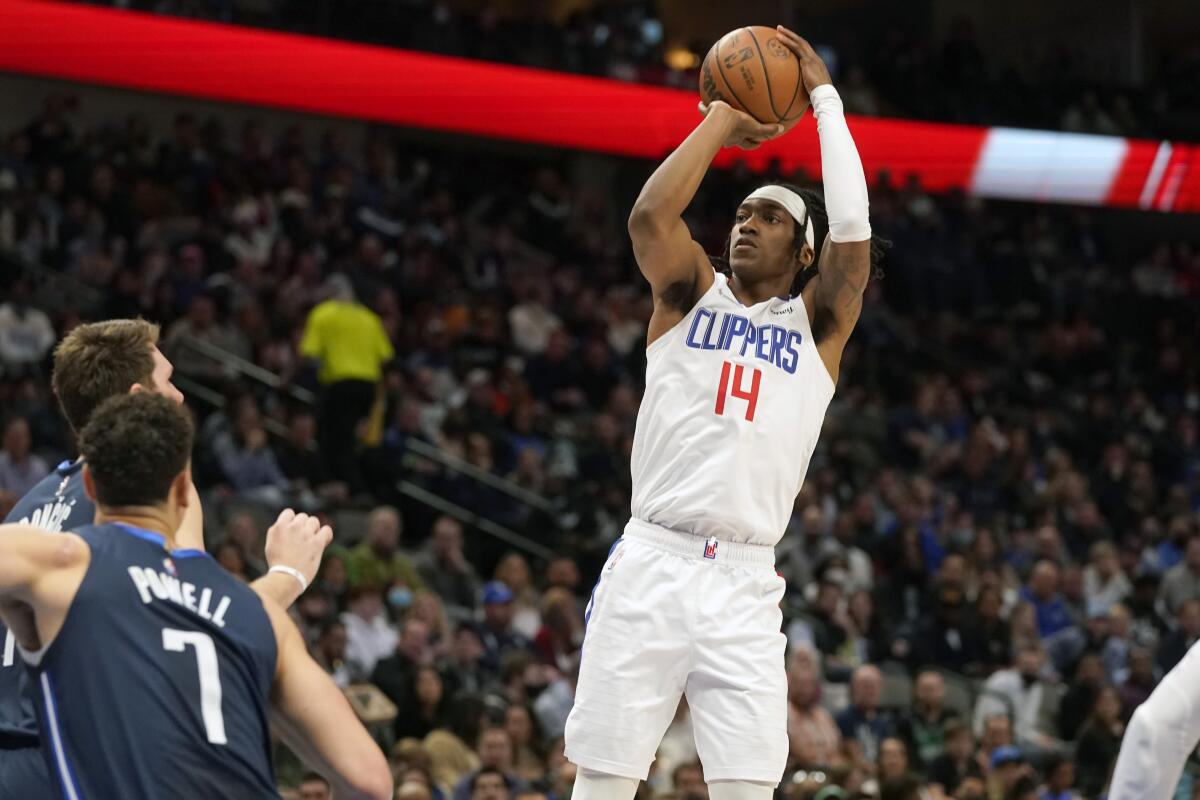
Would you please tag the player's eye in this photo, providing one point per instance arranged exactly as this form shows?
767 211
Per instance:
741 217
771 218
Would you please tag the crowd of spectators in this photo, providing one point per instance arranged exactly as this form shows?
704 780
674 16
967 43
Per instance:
994 557
882 69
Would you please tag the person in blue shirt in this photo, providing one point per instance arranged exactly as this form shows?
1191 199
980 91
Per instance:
156 669
1042 592
94 362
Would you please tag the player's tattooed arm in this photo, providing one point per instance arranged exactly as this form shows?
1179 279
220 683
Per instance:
837 293
297 542
835 296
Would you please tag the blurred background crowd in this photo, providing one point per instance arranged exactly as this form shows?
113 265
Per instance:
995 555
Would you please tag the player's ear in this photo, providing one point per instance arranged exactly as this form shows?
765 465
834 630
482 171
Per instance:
806 256
89 483
137 388
181 488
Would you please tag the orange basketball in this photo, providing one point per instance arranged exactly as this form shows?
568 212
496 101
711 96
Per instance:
751 70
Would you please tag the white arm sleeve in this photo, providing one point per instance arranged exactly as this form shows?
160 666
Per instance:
1161 735
841 169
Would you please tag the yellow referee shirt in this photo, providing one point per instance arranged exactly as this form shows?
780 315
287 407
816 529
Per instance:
348 340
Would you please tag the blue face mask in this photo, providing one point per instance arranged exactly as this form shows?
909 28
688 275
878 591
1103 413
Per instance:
400 597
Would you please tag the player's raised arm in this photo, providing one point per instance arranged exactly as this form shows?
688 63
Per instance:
295 544
834 296
315 720
672 262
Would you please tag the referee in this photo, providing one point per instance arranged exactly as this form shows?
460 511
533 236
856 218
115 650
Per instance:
349 344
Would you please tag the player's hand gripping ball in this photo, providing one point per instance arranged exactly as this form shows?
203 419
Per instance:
756 71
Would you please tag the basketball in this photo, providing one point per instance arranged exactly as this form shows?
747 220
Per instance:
751 70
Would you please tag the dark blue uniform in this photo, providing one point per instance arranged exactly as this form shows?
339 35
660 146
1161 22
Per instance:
57 503
158 682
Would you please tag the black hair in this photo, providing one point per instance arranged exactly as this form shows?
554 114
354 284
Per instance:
814 203
136 445
310 777
489 771
905 788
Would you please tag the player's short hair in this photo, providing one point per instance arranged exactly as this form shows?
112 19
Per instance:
135 446
99 360
310 777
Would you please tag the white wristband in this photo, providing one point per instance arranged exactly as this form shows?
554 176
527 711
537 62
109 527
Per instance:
295 573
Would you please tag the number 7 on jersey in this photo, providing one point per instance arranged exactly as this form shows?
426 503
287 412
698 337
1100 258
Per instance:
176 641
735 390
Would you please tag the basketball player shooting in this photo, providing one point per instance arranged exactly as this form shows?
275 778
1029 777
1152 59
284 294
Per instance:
740 370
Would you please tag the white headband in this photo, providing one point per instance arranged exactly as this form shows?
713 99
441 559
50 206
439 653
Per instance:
791 201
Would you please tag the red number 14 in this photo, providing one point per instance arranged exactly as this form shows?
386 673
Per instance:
736 390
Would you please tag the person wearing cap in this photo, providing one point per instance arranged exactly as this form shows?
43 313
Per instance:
1007 767
496 629
350 346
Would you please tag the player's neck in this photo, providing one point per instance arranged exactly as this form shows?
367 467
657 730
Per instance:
148 518
750 293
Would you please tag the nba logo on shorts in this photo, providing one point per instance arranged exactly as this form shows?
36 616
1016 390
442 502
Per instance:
710 548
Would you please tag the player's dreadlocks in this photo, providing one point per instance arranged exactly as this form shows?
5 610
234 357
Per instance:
815 203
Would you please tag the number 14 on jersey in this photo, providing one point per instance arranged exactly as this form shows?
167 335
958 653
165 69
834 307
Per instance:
735 388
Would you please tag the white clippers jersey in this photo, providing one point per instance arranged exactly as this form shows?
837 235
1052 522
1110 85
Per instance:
735 398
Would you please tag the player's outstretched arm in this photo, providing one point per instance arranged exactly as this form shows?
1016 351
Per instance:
672 262
27 555
42 572
315 720
295 544
834 296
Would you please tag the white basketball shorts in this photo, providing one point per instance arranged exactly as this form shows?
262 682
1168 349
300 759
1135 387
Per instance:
676 614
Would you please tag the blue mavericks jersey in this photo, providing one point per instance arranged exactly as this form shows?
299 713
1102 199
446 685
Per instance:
58 503
158 682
